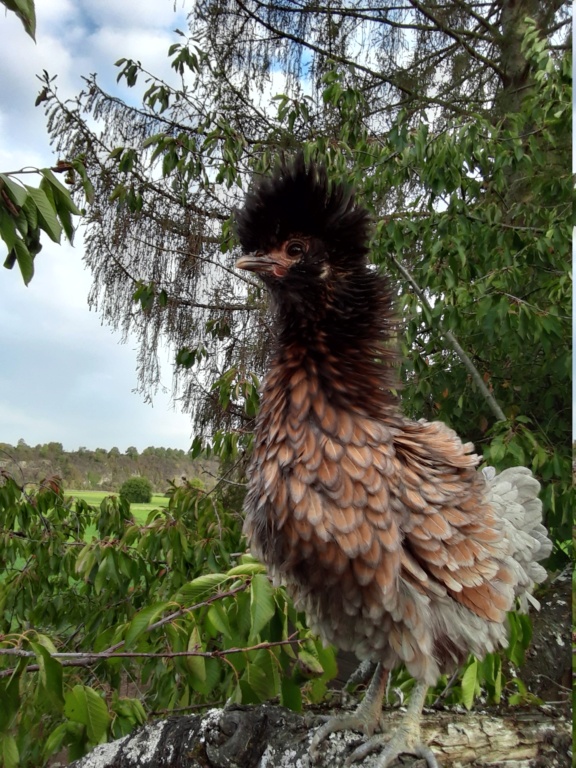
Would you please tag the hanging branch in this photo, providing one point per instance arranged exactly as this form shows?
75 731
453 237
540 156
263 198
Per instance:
453 342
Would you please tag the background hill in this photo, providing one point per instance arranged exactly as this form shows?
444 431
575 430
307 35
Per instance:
103 469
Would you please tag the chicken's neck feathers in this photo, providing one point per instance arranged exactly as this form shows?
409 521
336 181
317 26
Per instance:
342 335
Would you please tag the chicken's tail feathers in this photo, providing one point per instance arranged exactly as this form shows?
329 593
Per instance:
514 494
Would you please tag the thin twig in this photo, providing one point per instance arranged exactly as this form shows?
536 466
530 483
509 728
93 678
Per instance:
453 341
83 659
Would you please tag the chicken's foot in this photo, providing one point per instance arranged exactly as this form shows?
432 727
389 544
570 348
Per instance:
366 718
405 740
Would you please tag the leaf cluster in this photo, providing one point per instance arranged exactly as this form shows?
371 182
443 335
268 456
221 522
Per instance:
105 621
26 211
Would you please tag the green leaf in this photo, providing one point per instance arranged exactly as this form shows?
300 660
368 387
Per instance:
468 684
87 185
61 200
65 218
50 675
7 228
25 261
26 12
83 705
200 588
327 658
262 606
142 621
258 681
104 571
16 192
9 751
46 642
309 664
55 740
62 192
196 664
290 695
247 569
219 619
132 709
10 698
46 213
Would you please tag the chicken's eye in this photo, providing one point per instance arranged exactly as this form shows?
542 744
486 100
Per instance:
295 248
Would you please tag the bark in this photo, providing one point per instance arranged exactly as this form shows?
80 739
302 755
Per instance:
268 736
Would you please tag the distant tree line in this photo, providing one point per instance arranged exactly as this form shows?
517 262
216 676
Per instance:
102 469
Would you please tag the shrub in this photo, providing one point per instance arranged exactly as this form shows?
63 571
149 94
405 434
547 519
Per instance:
137 490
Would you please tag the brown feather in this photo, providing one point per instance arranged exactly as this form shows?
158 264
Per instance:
333 450
345 429
300 395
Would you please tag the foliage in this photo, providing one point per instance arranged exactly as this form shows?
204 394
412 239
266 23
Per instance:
488 240
137 490
26 211
161 612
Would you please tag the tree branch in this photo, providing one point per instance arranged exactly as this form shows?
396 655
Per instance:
454 34
269 735
71 659
453 342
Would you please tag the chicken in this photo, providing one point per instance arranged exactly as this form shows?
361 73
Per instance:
381 527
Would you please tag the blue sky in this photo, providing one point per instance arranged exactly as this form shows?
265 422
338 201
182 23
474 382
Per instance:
63 376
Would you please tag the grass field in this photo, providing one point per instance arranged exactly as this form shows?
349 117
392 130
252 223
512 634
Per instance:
140 511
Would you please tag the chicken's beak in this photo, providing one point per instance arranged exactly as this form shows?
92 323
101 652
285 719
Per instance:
274 264
254 262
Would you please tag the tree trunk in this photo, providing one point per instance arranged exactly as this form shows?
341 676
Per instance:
269 736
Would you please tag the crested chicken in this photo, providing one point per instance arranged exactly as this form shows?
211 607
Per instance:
382 528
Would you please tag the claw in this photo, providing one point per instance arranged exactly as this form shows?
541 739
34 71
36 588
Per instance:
365 719
399 744
405 740
349 722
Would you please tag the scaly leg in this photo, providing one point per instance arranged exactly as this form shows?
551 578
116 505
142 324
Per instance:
366 717
406 738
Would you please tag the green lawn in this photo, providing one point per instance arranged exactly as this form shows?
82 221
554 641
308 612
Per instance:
140 511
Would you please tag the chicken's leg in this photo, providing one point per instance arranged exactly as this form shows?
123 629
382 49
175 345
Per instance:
406 738
366 717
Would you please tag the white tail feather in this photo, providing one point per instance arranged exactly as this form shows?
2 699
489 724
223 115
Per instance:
514 495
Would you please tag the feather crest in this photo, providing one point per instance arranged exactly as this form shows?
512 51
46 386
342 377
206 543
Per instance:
298 197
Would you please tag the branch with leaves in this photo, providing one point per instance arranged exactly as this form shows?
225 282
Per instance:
26 211
453 342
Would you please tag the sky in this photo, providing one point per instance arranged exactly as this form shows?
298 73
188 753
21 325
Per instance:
64 376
